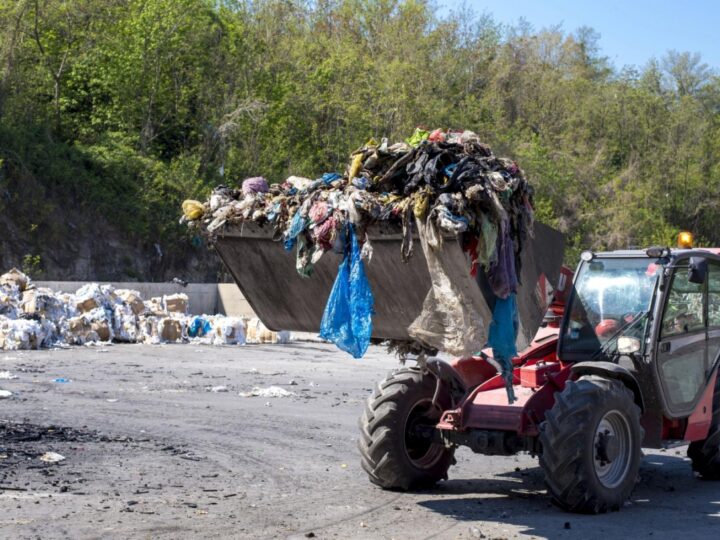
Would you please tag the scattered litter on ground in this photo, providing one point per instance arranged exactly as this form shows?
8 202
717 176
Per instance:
217 389
4 394
269 392
6 376
61 380
52 457
98 315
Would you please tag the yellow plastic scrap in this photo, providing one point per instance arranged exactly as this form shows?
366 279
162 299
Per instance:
355 165
387 199
418 136
422 201
403 204
193 210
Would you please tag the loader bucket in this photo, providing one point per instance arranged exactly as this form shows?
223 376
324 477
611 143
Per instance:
283 300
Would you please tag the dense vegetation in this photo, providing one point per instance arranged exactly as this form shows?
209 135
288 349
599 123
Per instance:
122 108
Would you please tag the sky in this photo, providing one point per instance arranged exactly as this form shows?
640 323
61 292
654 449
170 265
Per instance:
631 32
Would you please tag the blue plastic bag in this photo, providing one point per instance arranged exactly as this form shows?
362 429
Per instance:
502 336
347 320
330 177
198 327
296 227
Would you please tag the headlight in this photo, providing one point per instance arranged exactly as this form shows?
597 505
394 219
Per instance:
628 345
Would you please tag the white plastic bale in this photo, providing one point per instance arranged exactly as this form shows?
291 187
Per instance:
15 279
154 306
176 303
8 304
50 333
18 334
229 331
43 302
257 332
148 329
132 298
69 305
170 329
100 320
89 297
125 324
108 293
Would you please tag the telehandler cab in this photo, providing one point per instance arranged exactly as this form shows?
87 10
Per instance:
633 363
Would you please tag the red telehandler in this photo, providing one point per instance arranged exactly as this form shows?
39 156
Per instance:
631 363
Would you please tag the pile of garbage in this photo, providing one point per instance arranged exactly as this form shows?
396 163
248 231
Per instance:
35 318
433 184
450 178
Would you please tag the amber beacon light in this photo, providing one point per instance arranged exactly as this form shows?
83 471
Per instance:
685 240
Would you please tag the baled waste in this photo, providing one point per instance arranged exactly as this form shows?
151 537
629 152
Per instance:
436 185
36 318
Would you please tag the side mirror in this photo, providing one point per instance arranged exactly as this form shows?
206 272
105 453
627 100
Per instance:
697 270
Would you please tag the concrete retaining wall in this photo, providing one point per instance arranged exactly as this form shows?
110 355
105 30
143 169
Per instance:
208 298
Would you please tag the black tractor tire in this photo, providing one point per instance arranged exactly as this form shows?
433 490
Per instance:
591 445
391 453
705 454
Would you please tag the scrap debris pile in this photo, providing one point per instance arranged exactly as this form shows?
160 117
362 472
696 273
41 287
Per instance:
451 178
35 318
433 184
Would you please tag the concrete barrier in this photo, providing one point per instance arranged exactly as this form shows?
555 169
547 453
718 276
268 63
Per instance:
232 302
209 298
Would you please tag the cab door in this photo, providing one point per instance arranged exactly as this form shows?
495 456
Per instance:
682 352
713 357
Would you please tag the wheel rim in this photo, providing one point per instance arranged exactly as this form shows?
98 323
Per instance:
422 452
612 449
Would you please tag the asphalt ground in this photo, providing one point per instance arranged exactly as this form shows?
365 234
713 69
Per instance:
152 452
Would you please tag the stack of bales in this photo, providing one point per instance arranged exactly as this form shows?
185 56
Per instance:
34 318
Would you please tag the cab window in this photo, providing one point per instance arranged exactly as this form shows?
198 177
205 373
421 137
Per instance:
714 295
685 310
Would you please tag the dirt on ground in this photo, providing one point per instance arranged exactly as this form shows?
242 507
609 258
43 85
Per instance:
156 442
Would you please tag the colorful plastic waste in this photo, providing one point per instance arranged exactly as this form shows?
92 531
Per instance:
198 327
192 209
438 182
254 185
347 320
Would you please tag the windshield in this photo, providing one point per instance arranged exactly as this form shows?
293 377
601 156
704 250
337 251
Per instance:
611 298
